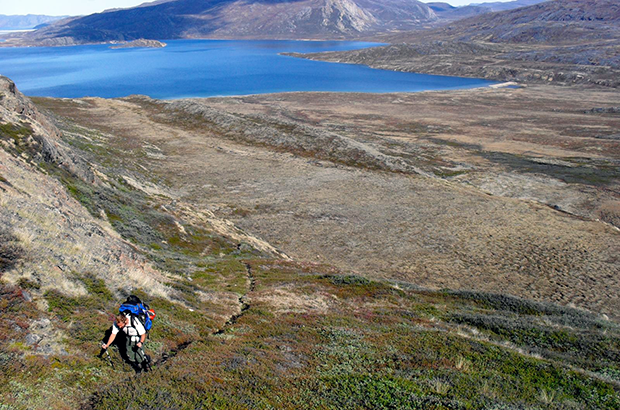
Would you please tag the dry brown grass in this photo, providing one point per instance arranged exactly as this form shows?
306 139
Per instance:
488 225
55 232
610 213
286 300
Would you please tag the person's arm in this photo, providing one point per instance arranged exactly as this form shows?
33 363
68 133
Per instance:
142 339
110 340
141 332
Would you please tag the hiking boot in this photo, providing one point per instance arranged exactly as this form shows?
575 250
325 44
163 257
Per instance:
137 367
146 364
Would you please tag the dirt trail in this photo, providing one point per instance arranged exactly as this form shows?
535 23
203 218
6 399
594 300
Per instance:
243 303
244 306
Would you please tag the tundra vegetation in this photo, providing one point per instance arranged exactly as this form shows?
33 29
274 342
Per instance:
444 250
241 326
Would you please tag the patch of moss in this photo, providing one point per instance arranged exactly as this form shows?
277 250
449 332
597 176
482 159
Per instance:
456 144
230 274
28 284
519 305
14 131
348 280
11 252
64 306
19 135
590 174
96 288
442 173
352 286
368 391
586 349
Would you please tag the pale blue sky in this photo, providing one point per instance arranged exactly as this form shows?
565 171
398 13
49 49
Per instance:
79 7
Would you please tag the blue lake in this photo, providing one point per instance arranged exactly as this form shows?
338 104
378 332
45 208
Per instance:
203 68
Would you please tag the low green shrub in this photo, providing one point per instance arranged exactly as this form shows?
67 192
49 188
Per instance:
519 305
585 348
11 251
348 280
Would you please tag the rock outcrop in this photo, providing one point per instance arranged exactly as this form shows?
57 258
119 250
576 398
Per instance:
53 239
141 43
43 137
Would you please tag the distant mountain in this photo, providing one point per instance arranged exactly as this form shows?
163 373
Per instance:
29 21
153 3
147 4
561 41
508 5
446 11
551 22
288 19
439 7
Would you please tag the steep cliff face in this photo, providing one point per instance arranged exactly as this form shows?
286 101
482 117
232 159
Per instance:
346 15
15 106
40 136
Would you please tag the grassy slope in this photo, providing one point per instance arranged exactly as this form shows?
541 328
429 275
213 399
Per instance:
308 337
375 345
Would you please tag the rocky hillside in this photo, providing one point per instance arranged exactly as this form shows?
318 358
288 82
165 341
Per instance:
557 22
240 325
140 43
54 239
561 41
326 19
572 64
63 247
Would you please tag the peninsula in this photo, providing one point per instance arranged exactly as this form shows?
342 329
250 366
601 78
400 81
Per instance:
140 43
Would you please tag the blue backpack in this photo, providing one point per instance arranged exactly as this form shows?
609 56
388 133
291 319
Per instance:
134 306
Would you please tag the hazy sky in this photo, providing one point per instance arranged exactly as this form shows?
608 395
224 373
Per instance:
79 7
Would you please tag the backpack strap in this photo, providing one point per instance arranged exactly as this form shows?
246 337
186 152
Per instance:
133 325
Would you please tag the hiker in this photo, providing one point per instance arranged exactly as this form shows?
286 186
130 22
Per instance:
135 334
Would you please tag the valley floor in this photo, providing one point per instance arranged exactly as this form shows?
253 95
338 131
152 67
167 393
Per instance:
503 190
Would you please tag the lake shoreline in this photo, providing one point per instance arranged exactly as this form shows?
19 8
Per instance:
205 68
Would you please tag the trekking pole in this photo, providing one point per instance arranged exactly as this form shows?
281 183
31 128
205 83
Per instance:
146 363
108 357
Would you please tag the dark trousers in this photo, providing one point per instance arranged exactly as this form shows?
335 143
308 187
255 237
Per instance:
131 354
135 354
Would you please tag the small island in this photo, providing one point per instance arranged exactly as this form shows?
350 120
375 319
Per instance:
140 43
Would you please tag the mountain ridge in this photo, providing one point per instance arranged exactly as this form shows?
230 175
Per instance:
278 19
561 41
556 22
29 21
447 12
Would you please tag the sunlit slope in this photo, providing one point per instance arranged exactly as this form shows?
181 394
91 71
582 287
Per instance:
239 324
